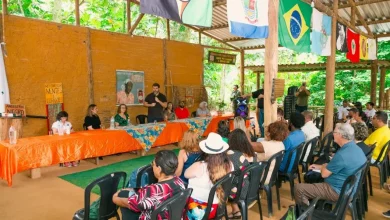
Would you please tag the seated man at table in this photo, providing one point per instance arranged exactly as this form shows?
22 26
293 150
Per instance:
347 160
380 136
181 111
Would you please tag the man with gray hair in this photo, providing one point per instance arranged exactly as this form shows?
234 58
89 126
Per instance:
309 129
347 160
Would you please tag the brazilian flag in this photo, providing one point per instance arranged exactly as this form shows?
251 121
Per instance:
294 25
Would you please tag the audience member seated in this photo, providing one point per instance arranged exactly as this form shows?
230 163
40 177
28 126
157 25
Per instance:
203 111
280 115
370 111
358 105
65 126
92 120
294 139
241 154
361 133
347 160
309 129
121 118
275 134
202 175
168 114
181 111
343 111
239 123
357 116
380 136
189 152
224 130
139 204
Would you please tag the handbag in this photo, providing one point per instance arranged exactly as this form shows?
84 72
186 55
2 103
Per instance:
93 211
313 177
290 214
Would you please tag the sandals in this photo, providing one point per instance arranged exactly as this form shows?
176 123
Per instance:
236 215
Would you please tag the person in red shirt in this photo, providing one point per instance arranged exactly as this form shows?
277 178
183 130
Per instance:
181 111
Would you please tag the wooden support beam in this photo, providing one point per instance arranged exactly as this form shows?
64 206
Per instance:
89 68
242 71
168 30
234 39
358 3
5 13
219 48
77 11
217 3
257 80
360 17
374 74
353 16
271 62
133 27
200 37
382 35
4 7
330 75
216 27
375 21
128 15
382 88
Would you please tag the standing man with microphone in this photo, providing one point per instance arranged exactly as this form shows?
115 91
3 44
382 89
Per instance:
155 102
302 98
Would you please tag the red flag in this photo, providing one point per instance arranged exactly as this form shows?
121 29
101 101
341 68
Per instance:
353 46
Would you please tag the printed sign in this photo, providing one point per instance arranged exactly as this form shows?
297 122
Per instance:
53 92
130 87
18 110
224 58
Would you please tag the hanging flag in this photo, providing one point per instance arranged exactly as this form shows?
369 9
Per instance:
4 90
320 35
371 49
197 13
353 46
294 21
363 48
341 38
248 18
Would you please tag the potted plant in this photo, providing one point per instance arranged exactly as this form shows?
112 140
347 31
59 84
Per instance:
221 107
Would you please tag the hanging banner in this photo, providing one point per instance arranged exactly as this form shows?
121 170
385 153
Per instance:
53 93
224 58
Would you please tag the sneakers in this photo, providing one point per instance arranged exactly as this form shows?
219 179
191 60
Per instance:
386 214
68 164
75 163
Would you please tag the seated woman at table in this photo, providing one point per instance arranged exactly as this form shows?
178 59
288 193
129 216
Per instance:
203 111
92 120
139 204
122 118
169 114
223 130
188 154
63 124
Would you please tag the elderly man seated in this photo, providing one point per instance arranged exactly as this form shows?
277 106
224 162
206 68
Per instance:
347 160
380 136
309 129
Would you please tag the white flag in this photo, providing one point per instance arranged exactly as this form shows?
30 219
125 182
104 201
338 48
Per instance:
4 90
321 33
371 49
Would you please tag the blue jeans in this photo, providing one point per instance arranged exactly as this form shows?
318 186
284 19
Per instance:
260 120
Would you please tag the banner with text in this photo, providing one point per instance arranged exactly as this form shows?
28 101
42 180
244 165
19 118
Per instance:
53 93
224 58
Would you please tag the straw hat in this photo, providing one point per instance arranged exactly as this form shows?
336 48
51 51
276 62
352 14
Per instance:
214 144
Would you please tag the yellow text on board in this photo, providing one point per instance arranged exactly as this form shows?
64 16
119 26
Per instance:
53 93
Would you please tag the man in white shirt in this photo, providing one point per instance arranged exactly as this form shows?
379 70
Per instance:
310 130
370 112
343 110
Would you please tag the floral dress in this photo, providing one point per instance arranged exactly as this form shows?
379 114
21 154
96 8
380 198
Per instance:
121 121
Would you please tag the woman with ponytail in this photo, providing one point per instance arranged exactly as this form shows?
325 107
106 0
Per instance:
204 174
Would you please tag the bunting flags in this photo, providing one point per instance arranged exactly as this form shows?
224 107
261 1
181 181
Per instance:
4 90
320 35
371 49
294 20
341 38
248 18
189 12
353 46
363 48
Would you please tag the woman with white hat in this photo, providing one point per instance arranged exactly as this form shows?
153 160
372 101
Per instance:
203 111
204 174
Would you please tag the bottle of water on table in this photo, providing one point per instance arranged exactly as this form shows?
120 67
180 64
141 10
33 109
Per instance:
112 123
12 135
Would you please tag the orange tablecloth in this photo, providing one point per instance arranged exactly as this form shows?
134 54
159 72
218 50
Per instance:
34 152
172 133
213 126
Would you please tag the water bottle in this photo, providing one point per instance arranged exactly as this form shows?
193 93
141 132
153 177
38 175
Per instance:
112 123
61 129
12 135
67 129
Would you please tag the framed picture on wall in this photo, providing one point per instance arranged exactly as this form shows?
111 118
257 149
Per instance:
130 87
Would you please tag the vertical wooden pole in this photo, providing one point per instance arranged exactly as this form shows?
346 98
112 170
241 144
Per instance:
271 62
128 15
374 74
90 72
353 16
4 7
200 37
257 80
168 30
77 11
382 88
242 71
5 13
330 74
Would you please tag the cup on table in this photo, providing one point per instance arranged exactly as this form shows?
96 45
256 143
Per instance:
67 130
60 131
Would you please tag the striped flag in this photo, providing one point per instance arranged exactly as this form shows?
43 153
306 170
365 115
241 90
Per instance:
4 90
248 18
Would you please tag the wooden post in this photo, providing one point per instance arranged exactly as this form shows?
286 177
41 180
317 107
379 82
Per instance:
128 14
257 80
89 68
133 27
4 7
382 88
77 11
242 71
168 30
374 74
330 74
200 37
5 13
271 62
353 16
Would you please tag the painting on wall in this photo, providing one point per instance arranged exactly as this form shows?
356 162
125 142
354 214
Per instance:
130 87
